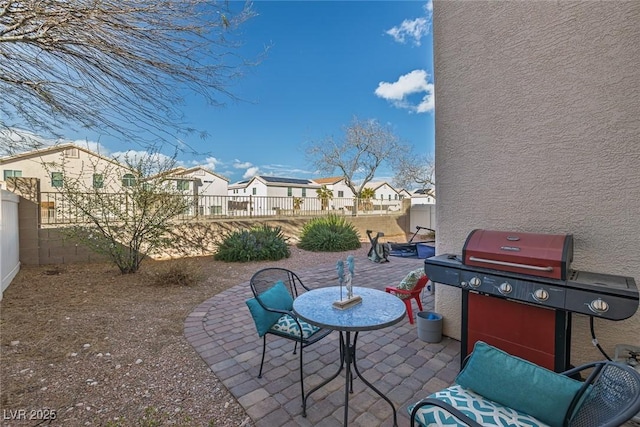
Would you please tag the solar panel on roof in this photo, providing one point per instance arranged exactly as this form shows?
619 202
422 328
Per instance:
286 180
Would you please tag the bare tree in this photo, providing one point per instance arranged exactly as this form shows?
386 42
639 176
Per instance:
136 221
365 147
414 170
120 67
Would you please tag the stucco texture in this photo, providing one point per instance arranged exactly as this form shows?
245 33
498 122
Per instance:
538 130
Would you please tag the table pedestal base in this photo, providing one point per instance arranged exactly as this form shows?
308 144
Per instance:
347 358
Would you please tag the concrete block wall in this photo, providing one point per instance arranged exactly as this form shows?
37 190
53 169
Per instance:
49 246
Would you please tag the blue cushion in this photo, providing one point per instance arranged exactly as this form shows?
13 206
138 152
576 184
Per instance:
277 297
518 384
474 406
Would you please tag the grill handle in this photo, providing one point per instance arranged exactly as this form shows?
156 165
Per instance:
510 264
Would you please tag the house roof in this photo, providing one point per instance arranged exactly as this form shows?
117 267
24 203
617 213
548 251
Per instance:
376 185
195 168
54 149
329 180
276 181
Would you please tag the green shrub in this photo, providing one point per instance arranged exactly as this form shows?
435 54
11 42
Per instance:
332 233
261 243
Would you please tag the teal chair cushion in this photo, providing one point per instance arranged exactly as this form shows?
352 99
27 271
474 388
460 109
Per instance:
476 407
518 384
277 297
287 325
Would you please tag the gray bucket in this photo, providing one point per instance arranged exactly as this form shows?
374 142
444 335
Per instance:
429 326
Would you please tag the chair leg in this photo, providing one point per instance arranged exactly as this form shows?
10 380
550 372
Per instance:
407 303
301 374
264 349
419 302
295 347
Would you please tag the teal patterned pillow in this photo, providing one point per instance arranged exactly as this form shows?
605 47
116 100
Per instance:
287 325
474 406
277 297
518 384
410 280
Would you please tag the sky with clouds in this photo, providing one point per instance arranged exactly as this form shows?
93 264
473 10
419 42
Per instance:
326 63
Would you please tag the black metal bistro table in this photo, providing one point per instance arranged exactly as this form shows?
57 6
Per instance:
377 310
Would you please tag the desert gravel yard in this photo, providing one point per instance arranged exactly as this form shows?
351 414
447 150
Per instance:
83 345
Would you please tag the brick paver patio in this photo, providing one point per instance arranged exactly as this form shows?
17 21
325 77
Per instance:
394 359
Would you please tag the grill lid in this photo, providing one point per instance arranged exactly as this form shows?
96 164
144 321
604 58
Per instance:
542 255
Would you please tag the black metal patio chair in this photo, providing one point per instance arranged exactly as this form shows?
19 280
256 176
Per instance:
495 388
274 290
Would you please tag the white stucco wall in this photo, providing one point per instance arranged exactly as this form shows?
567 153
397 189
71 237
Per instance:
538 130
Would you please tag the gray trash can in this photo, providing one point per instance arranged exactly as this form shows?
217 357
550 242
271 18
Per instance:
429 326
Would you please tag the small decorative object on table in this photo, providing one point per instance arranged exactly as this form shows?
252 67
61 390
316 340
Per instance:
345 278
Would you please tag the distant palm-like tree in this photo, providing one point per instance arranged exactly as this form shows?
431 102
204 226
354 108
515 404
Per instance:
324 194
366 195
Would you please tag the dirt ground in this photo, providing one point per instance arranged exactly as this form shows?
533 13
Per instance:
83 345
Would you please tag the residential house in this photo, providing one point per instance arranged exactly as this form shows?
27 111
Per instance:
423 197
51 165
209 188
404 193
563 113
342 194
386 197
40 174
263 195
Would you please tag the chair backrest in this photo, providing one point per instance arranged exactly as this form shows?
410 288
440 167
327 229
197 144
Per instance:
613 399
420 284
264 280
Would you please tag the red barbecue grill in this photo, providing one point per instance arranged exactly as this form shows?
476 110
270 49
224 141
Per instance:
519 291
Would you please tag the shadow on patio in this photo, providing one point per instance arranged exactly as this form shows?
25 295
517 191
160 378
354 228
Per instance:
398 363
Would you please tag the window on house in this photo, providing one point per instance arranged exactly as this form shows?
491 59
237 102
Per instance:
289 191
389 196
254 191
128 180
340 193
56 179
72 153
304 192
12 174
182 184
98 180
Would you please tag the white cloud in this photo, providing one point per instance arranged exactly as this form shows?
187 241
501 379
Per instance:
211 163
412 83
251 172
413 29
157 162
429 7
241 165
410 29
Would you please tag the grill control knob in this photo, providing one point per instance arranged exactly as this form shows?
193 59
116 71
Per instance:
475 282
541 295
598 306
505 288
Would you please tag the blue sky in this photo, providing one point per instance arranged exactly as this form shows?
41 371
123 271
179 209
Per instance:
327 62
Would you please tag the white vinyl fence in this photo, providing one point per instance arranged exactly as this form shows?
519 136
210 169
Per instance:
9 243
